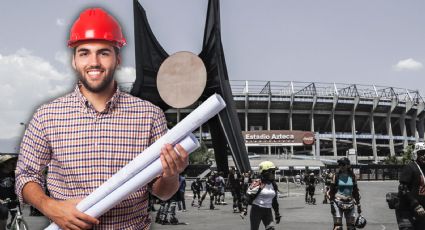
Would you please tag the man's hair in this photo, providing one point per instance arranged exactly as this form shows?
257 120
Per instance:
116 50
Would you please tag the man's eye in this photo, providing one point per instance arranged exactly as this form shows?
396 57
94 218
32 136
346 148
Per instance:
83 54
105 53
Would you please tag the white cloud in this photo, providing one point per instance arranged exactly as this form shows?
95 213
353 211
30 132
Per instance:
408 64
26 81
60 22
63 57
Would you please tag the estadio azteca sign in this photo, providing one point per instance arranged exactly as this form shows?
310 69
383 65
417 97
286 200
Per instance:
278 138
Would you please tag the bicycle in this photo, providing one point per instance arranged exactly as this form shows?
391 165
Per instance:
18 222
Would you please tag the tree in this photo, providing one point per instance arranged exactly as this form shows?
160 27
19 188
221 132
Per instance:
391 160
407 154
405 157
201 155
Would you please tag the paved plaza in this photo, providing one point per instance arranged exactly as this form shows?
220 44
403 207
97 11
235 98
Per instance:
296 214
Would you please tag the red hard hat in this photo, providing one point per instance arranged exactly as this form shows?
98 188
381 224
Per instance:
96 24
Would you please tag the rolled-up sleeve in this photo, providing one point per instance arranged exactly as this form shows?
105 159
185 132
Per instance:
34 155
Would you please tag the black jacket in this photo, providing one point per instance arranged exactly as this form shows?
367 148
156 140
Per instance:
413 182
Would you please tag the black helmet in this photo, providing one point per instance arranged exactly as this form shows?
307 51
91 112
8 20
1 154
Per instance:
343 161
360 222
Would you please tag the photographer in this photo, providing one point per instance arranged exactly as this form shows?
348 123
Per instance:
411 191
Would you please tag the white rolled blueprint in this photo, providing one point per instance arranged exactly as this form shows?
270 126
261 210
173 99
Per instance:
209 108
190 144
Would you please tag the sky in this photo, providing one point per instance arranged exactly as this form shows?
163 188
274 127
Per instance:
378 42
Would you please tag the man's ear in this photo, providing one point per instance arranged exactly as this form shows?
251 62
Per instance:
73 62
118 60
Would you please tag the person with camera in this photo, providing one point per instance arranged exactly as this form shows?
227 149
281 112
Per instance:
411 192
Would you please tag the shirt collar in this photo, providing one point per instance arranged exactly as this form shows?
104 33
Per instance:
110 105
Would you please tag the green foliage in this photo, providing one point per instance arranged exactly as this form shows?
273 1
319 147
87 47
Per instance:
405 157
391 160
201 155
407 154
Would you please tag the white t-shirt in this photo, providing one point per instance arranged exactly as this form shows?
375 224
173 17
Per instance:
265 197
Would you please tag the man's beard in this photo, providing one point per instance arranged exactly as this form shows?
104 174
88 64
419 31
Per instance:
99 88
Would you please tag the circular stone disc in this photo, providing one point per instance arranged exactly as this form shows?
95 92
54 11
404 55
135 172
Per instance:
181 79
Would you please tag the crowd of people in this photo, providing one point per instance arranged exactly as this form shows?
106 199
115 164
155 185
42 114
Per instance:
256 194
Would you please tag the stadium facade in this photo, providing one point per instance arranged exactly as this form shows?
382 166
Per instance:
372 121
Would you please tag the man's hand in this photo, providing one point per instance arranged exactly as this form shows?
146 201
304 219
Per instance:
359 209
173 163
420 210
66 215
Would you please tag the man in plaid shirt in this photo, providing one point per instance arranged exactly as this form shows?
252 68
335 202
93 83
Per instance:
88 135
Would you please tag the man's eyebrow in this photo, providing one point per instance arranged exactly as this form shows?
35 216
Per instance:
97 51
82 50
103 50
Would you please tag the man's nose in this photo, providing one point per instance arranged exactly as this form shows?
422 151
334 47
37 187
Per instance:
94 60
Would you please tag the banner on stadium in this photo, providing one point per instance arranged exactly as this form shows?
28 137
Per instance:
278 138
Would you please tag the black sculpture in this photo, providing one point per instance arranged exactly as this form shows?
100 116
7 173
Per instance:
225 128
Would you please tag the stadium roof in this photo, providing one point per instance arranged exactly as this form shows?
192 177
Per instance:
288 88
298 88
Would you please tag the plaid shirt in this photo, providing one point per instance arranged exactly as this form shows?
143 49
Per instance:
83 148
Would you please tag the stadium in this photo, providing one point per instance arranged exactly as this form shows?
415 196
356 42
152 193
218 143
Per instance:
372 121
